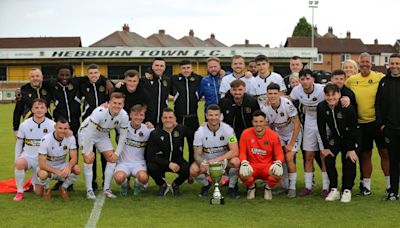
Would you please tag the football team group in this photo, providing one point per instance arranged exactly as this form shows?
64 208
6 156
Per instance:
256 122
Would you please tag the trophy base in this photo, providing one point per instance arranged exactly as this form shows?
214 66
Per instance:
217 201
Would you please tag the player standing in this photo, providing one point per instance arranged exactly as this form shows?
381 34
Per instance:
94 131
282 117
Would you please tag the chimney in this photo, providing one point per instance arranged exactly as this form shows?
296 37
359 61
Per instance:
212 36
191 33
125 28
330 30
267 45
246 42
348 35
376 41
161 32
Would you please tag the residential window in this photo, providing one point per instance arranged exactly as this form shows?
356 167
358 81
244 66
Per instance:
345 57
3 73
373 59
319 58
386 59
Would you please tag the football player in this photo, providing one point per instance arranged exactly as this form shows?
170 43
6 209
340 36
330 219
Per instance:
94 131
29 135
53 163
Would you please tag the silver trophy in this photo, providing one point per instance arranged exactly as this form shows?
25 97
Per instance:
216 170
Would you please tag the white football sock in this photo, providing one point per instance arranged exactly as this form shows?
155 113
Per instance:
70 180
88 173
233 177
19 179
45 183
387 178
292 180
285 179
108 174
308 177
325 181
202 179
367 183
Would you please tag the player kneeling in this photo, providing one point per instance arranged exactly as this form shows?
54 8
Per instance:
261 156
215 141
131 161
52 159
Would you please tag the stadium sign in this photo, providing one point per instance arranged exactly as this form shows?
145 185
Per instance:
147 52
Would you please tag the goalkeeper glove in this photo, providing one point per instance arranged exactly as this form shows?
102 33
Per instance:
276 168
245 169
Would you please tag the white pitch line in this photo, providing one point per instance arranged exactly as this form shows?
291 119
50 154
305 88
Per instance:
96 211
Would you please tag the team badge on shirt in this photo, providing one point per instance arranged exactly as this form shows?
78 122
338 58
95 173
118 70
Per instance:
30 95
45 130
141 134
265 142
222 138
70 87
116 122
332 142
44 92
248 110
102 89
175 134
387 140
282 114
314 99
165 83
65 147
339 115
162 138
370 81
191 79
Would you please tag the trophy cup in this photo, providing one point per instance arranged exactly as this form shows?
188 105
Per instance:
216 170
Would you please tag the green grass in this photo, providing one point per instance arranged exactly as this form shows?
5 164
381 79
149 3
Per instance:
148 210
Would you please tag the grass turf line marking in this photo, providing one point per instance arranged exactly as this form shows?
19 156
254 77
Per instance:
96 211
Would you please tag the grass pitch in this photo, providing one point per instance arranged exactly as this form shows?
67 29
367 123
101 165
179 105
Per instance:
147 210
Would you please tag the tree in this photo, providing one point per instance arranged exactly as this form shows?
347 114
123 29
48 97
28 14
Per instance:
303 28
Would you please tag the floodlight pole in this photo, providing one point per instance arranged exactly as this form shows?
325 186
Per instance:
312 5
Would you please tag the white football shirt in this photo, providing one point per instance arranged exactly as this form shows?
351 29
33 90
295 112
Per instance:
31 133
135 144
56 151
310 102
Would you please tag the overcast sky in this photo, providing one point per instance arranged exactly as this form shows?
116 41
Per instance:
232 21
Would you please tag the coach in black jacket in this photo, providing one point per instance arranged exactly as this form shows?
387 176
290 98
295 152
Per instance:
36 88
185 90
165 153
387 110
237 107
342 122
